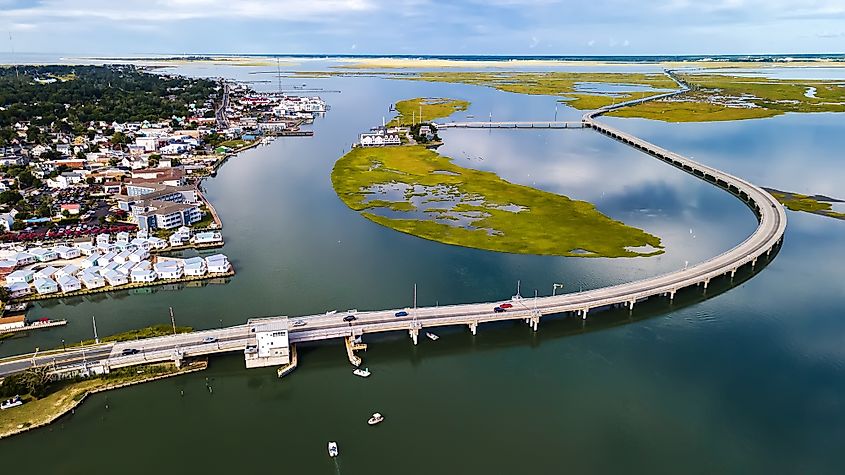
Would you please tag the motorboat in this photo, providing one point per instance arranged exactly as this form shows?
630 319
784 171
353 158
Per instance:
364 373
432 336
333 449
11 402
375 419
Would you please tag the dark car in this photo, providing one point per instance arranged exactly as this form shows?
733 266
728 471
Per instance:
401 314
350 318
498 309
130 351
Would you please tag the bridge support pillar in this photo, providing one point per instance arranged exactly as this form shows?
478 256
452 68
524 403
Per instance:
473 327
672 295
415 334
584 312
733 273
753 262
631 304
706 283
534 322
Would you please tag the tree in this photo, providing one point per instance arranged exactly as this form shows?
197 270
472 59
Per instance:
10 197
119 138
26 179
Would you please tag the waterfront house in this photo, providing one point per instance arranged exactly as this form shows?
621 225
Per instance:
195 266
92 280
89 261
45 273
177 239
142 275
142 243
65 252
18 289
21 276
104 260
138 255
168 270
69 283
126 267
157 243
207 237
115 278
12 323
378 139
46 286
218 264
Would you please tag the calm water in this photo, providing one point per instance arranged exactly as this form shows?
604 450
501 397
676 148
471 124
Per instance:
750 380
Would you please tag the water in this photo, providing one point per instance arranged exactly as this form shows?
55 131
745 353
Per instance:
748 381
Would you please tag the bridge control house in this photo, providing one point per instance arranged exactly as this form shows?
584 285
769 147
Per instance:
269 343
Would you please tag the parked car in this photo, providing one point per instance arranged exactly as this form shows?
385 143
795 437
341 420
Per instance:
498 309
401 314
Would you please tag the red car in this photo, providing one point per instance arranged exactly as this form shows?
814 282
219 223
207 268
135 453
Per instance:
506 305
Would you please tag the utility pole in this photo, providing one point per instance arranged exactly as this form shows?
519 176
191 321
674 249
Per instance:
96 338
172 320
556 286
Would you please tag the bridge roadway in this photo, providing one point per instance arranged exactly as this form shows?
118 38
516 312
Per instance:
765 238
511 125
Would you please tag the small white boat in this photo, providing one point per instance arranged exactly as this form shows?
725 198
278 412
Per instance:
364 373
11 402
333 449
432 336
375 419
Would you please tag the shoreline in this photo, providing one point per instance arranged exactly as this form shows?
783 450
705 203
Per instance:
78 399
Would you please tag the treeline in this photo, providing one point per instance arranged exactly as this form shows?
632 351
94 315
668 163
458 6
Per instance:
81 94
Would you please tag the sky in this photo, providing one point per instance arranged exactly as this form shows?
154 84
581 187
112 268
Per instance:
460 27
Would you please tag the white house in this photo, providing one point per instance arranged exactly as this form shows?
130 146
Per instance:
122 257
126 267
25 258
69 269
218 264
89 261
207 237
142 275
102 239
168 270
115 278
19 289
104 260
195 266
65 252
45 273
92 280
69 283
85 248
46 286
122 236
157 243
139 255
44 255
21 276
142 243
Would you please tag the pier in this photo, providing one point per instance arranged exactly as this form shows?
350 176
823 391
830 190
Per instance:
759 245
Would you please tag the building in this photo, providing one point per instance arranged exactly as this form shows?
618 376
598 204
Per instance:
18 289
167 215
271 346
168 270
92 280
195 267
46 286
44 255
142 275
218 264
69 269
378 138
69 283
21 276
115 278
45 273
71 208
65 252
25 258
207 237
12 323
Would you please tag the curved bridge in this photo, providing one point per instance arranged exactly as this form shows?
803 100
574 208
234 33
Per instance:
766 237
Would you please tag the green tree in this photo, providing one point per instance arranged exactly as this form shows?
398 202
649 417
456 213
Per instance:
10 197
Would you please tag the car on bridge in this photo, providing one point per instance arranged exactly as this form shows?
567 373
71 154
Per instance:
209 339
350 318
299 323
498 309
506 305
130 351
401 314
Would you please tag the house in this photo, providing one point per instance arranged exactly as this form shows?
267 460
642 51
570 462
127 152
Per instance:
45 273
168 270
12 323
46 286
25 258
44 255
142 243
92 280
69 283
18 289
142 275
139 255
195 266
65 252
69 269
378 139
21 276
71 208
157 243
89 261
85 248
104 260
218 264
125 268
115 278
207 237
6 222
122 236
122 257
102 239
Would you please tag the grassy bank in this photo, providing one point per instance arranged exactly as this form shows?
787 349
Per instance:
447 203
431 108
66 395
808 204
719 97
141 333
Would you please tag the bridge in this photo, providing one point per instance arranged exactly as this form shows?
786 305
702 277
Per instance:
761 243
511 125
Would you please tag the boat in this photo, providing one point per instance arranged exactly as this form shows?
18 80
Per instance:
364 373
375 419
11 402
333 449
432 336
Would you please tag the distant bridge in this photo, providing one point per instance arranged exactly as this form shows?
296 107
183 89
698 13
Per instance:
511 125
